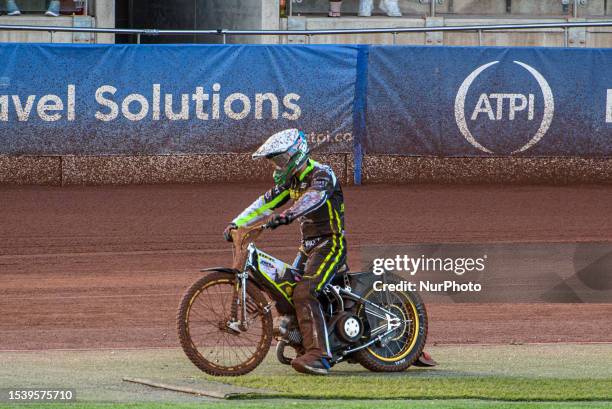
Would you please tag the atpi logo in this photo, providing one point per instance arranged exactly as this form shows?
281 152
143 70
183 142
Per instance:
497 106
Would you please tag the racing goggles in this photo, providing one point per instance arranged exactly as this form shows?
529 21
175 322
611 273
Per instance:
281 161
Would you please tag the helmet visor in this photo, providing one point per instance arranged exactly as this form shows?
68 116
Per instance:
281 161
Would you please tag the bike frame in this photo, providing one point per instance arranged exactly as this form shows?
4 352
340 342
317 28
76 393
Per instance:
251 266
246 263
382 331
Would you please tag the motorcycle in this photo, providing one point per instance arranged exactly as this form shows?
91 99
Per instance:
225 322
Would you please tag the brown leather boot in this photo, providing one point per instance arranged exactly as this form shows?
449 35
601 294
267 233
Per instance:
312 327
311 363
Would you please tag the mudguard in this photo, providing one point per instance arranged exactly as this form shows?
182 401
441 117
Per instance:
221 270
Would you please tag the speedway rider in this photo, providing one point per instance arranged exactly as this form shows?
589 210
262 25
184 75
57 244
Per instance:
319 205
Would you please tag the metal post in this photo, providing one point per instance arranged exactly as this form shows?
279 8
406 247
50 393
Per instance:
290 8
394 38
224 38
479 37
433 8
565 36
575 8
138 38
51 34
308 38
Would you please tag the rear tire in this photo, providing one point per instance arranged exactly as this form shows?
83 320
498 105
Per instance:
216 333
408 341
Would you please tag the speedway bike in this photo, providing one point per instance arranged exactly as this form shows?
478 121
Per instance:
225 319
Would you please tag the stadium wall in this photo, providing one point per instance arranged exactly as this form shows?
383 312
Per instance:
579 37
148 169
221 168
191 114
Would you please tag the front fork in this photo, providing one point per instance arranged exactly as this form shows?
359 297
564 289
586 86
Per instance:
240 294
239 319
243 283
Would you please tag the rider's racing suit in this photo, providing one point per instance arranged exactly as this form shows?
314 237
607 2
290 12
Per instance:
319 204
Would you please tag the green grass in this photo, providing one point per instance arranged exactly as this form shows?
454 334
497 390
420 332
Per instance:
335 404
404 386
560 373
475 377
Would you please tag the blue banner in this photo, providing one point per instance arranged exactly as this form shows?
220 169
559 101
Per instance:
149 99
406 100
490 101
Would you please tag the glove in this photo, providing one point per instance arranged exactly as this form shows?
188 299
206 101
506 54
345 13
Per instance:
227 233
278 220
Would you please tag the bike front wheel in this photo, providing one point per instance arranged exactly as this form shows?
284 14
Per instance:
211 336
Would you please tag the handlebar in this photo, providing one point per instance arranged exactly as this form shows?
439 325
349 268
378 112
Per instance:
262 226
269 224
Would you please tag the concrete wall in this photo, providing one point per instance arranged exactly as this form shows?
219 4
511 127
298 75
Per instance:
414 7
101 14
507 170
30 170
188 169
549 37
323 23
555 8
44 37
240 15
599 37
104 13
486 7
147 169
480 7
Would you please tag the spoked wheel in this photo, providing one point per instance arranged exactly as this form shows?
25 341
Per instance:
403 346
211 336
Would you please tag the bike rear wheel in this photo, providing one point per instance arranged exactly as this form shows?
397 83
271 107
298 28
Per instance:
404 345
209 336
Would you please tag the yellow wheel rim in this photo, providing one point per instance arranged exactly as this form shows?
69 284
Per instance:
415 334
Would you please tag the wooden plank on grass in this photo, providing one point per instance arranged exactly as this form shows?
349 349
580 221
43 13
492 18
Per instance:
211 390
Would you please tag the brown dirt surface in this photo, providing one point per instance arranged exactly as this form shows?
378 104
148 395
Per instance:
94 267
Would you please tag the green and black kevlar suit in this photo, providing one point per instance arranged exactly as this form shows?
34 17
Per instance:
319 205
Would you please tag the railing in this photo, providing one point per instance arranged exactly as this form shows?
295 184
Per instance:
310 33
434 3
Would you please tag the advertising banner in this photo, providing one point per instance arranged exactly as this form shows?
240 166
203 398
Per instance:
490 101
405 100
67 99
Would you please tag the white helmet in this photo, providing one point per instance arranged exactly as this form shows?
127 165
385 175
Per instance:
288 150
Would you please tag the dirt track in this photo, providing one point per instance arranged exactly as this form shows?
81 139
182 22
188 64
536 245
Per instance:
105 266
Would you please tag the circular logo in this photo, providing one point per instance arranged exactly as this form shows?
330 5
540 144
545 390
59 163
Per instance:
523 103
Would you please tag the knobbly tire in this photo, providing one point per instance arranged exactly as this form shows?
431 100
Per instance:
207 357
403 347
